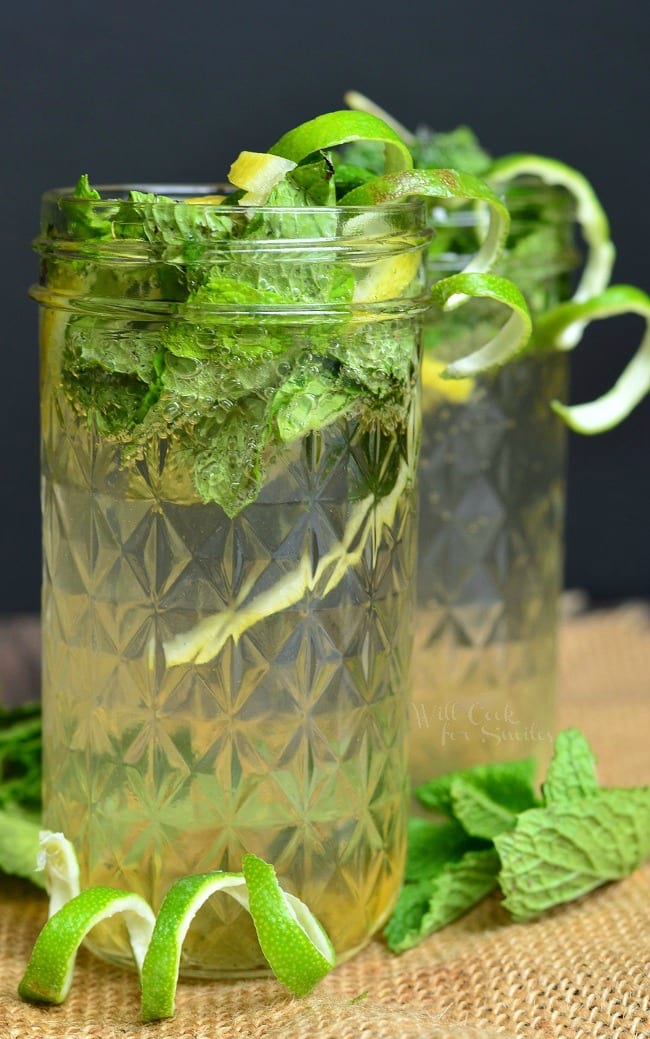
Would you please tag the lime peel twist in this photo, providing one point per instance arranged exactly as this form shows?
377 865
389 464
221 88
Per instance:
343 127
590 215
294 943
633 384
49 972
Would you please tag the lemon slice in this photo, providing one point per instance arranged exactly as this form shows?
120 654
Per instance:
257 173
206 200
442 184
49 972
297 948
434 385
336 128
634 383
590 215
509 341
161 963
387 279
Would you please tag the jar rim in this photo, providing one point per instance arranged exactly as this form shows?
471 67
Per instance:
179 192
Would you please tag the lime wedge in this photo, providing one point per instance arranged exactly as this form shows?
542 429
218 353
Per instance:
634 383
297 948
182 903
336 128
58 861
257 173
589 213
442 184
49 972
509 340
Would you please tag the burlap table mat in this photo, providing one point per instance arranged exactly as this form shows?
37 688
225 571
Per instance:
581 971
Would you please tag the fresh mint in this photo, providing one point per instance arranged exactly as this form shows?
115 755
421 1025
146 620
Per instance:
567 849
20 789
499 834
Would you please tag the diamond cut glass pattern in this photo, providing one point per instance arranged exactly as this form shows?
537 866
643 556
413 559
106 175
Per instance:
289 742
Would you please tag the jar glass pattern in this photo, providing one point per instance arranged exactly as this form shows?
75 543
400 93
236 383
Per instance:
491 509
229 554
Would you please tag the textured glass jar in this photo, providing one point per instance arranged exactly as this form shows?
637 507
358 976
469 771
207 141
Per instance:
226 661
491 507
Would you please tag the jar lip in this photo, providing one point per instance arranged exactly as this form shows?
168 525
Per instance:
177 193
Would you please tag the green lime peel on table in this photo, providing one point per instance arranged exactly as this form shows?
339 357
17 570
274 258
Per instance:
499 834
294 943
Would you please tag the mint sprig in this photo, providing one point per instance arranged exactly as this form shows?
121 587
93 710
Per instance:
498 834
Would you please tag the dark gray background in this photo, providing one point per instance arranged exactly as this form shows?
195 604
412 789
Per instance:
174 92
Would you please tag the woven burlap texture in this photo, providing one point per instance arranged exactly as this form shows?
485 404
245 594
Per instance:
582 971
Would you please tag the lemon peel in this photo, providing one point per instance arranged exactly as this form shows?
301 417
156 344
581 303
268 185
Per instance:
257 173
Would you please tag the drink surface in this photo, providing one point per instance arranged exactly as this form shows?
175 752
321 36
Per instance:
289 741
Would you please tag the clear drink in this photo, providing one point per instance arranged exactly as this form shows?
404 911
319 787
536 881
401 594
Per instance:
491 509
217 679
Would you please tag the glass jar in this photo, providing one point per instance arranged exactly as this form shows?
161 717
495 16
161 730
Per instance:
491 509
230 425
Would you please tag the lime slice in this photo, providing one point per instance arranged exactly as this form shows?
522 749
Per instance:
509 340
442 184
589 213
49 972
257 173
182 903
634 383
297 948
58 860
336 128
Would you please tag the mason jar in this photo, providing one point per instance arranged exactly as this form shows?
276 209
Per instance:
491 508
230 432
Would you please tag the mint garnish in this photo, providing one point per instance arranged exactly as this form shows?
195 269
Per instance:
498 834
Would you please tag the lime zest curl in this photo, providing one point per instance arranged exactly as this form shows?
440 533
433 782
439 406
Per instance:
343 127
296 946
49 972
590 215
509 341
633 384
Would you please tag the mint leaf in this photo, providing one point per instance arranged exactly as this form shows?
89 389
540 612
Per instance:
19 844
84 220
228 456
20 756
459 150
572 772
478 813
427 906
563 851
306 402
509 783
431 846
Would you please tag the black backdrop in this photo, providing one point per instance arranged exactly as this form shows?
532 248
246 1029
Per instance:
174 91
